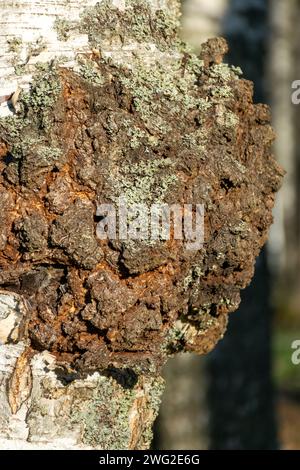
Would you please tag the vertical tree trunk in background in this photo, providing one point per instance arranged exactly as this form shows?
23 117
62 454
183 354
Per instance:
240 367
202 20
283 70
183 417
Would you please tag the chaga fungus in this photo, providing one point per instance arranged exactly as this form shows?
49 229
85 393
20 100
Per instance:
183 133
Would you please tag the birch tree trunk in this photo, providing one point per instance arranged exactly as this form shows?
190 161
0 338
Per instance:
37 410
100 100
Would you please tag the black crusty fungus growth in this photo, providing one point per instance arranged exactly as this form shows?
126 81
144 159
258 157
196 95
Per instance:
183 133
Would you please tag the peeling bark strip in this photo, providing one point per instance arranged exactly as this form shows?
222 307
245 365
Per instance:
111 105
20 383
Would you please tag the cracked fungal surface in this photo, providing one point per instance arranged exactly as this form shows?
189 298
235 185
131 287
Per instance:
187 132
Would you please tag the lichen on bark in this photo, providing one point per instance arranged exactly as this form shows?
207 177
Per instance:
182 131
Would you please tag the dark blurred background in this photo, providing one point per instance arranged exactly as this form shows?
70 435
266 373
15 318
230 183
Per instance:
246 393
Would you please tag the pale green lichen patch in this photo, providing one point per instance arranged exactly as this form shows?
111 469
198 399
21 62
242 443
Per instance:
224 91
98 419
11 127
14 44
24 145
137 23
174 341
20 69
221 72
193 277
156 390
35 48
89 71
104 414
23 51
44 90
30 131
145 182
193 63
155 89
196 140
230 120
64 28
136 135
49 153
219 85
237 70
226 118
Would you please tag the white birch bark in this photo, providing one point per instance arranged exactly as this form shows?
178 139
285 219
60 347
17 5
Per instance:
37 410
29 34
